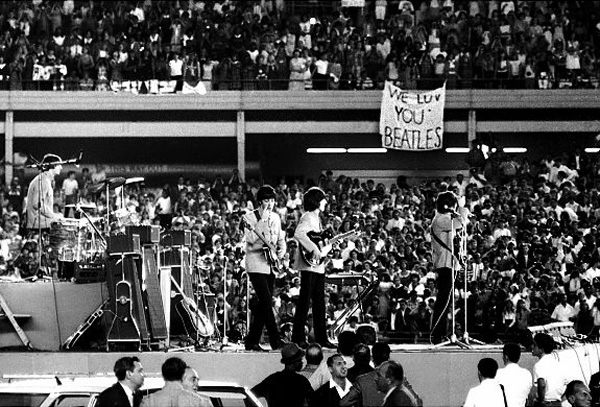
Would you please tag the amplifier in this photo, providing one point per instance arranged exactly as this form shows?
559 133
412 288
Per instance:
124 244
177 238
148 234
90 272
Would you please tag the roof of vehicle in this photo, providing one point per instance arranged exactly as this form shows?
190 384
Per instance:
92 385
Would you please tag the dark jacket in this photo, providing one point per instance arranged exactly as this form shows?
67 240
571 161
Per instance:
115 396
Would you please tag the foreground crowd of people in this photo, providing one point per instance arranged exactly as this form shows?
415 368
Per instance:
270 44
530 249
359 375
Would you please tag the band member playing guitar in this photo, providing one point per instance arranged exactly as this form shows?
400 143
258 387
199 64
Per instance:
265 246
444 227
312 277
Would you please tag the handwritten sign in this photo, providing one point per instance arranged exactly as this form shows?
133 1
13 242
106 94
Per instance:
412 121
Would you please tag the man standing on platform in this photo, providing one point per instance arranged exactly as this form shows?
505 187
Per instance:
124 393
444 226
40 196
312 277
265 246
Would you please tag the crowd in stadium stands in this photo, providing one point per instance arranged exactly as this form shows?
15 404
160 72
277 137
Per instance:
268 44
532 250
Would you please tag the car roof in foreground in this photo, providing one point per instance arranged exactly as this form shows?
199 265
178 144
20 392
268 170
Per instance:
94 385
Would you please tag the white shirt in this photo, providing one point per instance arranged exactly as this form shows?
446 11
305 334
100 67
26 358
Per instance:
487 394
70 186
517 384
549 369
341 392
562 313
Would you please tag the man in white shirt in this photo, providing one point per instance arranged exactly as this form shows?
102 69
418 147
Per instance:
489 392
69 189
563 311
517 381
548 377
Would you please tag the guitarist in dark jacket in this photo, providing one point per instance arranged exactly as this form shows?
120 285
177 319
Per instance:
312 278
124 393
265 246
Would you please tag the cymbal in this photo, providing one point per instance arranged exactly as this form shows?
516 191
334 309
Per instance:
112 183
115 182
98 187
88 205
134 180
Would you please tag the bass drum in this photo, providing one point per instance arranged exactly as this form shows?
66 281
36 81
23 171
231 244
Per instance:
67 239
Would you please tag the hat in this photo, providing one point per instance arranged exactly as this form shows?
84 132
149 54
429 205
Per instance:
291 353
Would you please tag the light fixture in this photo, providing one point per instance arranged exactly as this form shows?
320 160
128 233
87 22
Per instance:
326 150
457 150
368 150
592 150
510 150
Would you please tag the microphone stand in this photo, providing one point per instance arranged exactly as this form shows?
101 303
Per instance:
463 246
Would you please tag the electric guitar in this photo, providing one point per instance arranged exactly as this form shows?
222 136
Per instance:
325 241
269 251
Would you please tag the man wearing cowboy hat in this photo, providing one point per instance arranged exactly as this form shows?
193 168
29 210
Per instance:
286 387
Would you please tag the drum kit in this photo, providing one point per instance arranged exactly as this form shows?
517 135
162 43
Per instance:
83 239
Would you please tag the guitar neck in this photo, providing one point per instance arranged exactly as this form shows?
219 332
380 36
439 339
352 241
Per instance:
342 236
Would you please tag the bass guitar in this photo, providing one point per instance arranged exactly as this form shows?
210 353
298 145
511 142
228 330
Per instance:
194 321
269 251
325 241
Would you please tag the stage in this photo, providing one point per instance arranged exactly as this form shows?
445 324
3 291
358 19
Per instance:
441 376
49 313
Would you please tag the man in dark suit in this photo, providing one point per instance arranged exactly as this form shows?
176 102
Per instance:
124 393
390 381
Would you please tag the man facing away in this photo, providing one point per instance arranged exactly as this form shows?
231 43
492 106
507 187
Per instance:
548 377
314 357
489 393
173 393
516 380
286 387
124 393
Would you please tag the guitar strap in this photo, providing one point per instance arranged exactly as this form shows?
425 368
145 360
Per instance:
444 245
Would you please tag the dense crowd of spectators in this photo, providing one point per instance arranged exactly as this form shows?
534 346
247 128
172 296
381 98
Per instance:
532 244
269 44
